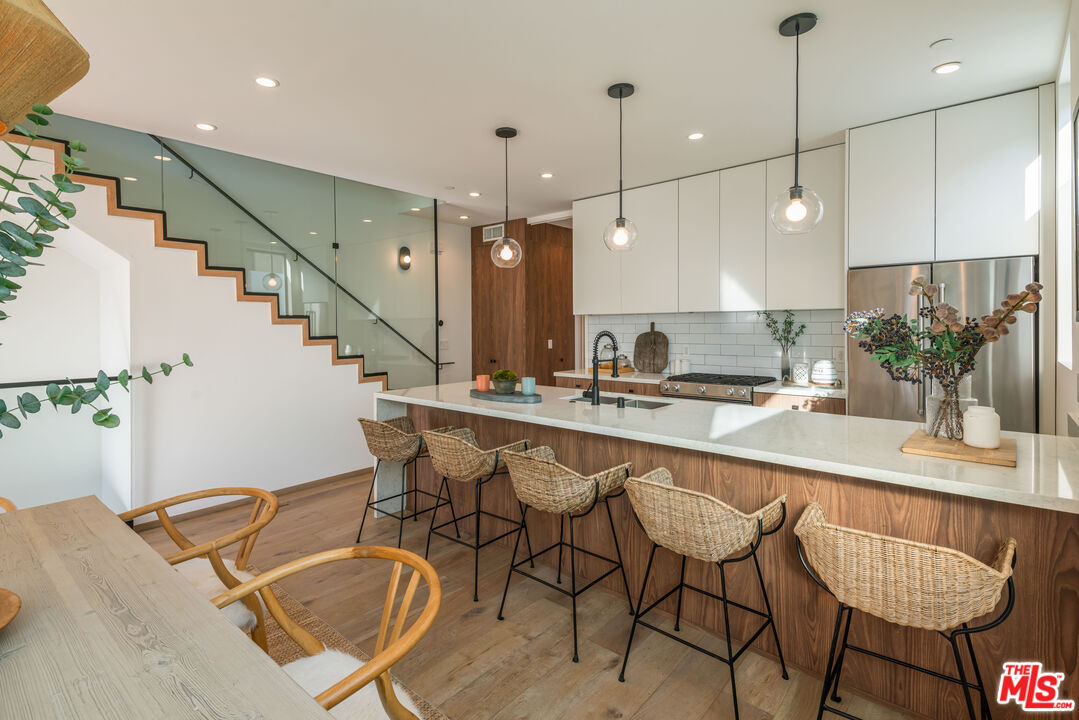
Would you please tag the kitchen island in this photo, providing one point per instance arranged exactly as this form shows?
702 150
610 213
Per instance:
852 466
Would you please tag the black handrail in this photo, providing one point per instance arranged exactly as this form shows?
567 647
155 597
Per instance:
264 226
39 383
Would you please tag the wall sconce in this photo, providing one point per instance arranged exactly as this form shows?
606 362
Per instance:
404 258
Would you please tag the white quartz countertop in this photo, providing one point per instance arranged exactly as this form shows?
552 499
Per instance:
1047 475
656 378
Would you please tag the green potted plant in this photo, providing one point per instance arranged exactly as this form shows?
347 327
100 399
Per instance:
505 381
786 334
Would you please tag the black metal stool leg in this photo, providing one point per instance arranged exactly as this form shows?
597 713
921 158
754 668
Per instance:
476 547
404 504
573 584
771 618
513 561
434 514
840 657
828 674
962 675
681 586
727 630
453 513
637 614
986 712
561 535
528 540
618 554
367 505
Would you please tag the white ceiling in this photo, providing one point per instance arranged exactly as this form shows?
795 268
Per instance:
407 93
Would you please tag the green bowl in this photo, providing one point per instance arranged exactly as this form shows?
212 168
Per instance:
504 387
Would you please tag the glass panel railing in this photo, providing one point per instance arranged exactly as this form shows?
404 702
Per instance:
280 225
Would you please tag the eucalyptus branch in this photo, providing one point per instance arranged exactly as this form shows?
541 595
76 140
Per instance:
787 335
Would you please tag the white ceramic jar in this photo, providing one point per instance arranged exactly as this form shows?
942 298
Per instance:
981 427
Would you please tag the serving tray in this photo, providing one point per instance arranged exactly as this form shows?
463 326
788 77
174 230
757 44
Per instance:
922 444
516 397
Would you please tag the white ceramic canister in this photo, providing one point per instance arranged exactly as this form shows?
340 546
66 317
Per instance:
981 427
800 373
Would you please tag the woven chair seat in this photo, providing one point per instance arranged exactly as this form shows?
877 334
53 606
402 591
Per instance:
542 483
456 455
394 440
901 581
692 523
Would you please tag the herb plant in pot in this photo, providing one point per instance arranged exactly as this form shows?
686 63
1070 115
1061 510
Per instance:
504 381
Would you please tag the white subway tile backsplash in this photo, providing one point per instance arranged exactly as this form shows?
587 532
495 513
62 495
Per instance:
730 342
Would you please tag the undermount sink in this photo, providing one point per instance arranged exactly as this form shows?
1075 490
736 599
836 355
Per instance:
635 403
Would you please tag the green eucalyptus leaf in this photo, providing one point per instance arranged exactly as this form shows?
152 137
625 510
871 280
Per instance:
18 151
20 234
64 184
14 174
72 162
28 131
4 292
11 270
9 186
111 421
147 376
100 416
37 119
166 369
3 406
52 391
8 207
187 360
4 282
76 405
3 315
9 420
12 257
29 403
41 109
90 395
32 206
78 146
122 377
103 381
36 252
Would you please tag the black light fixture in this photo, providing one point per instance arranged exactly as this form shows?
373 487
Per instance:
404 258
621 234
506 253
797 209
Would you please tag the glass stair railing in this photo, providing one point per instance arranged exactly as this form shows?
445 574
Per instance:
326 247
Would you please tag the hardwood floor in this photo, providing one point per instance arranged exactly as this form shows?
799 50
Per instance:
473 666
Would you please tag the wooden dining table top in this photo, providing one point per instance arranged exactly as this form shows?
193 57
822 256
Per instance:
108 629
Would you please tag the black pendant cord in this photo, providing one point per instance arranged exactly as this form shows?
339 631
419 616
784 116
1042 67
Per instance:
797 82
507 146
620 154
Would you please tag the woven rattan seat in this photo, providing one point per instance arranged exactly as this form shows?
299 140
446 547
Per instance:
692 523
906 583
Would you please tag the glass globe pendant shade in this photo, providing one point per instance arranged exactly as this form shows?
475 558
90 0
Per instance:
271 282
620 235
506 253
796 210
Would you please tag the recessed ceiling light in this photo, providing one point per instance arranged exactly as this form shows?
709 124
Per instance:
206 127
162 158
312 233
273 242
695 136
947 68
546 176
367 219
131 179
415 209
943 42
462 217
266 82
473 194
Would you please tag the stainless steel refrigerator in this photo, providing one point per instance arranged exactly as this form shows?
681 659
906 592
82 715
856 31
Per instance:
1004 376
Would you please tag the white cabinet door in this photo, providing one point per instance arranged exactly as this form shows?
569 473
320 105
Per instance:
890 192
597 272
743 205
806 271
698 243
650 269
988 178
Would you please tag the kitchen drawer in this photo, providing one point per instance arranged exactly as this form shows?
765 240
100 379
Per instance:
632 388
833 406
568 382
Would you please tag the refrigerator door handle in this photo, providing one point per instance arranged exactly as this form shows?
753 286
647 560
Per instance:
921 385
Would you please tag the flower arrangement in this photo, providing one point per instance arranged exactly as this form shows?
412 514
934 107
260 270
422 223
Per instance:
785 334
939 344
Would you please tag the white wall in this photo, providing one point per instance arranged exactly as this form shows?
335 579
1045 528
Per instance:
258 408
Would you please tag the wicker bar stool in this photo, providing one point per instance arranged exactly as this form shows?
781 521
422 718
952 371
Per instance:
541 483
906 583
456 456
692 524
395 440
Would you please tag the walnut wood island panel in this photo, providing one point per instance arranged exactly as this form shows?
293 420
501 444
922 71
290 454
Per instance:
109 630
1043 626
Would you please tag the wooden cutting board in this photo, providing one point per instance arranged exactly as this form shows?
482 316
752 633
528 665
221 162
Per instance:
650 351
921 443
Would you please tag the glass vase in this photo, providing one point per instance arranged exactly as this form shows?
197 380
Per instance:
944 409
785 364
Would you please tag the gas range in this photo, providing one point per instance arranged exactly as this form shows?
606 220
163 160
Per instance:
709 386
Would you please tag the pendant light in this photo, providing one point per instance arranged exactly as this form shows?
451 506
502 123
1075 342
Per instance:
797 209
506 253
620 234
271 281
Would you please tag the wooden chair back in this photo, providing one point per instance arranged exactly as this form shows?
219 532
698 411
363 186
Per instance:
6 505
393 643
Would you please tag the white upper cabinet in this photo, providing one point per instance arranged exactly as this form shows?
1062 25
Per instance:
988 178
890 192
742 219
597 272
806 271
650 269
698 243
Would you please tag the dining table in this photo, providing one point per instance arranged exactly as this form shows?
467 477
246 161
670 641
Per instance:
108 629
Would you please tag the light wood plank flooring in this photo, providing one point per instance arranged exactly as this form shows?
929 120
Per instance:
473 666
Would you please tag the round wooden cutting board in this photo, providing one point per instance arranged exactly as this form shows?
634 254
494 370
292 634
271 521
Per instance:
650 351
9 607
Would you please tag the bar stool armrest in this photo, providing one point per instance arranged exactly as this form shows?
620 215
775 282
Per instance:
1005 559
808 567
773 515
612 479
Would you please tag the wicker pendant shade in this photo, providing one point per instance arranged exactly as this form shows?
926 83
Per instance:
39 59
